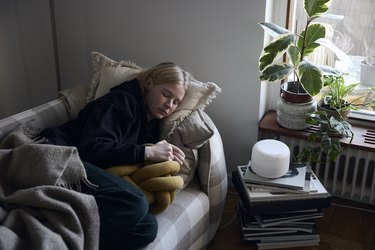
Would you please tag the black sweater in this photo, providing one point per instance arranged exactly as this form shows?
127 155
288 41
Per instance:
110 130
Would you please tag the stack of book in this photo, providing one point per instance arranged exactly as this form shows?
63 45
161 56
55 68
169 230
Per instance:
280 212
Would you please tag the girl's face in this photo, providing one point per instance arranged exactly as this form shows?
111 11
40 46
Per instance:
162 100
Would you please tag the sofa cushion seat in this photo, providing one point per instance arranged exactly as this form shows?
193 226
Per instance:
185 222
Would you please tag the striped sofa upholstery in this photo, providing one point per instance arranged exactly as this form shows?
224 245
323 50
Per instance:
191 221
47 115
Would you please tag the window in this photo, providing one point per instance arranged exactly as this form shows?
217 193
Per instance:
353 34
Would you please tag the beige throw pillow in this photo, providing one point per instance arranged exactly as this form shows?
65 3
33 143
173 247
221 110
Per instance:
110 77
190 136
103 63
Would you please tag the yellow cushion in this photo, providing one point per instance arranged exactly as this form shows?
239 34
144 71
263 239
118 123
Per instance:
157 181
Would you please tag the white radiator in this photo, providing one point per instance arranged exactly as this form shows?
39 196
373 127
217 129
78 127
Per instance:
351 177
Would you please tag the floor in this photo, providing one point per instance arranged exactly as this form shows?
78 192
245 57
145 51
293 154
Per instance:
345 226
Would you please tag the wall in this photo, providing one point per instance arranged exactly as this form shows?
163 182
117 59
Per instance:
216 40
27 63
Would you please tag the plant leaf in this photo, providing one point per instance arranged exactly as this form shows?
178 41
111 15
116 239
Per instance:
327 70
273 30
276 72
277 47
341 126
310 77
280 43
314 32
325 143
316 7
332 16
294 55
266 59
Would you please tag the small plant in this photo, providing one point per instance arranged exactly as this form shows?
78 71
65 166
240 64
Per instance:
332 128
322 142
338 93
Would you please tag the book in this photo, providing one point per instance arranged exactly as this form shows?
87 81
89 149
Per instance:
251 226
290 215
271 206
282 218
294 178
258 194
284 236
261 192
309 186
314 235
287 244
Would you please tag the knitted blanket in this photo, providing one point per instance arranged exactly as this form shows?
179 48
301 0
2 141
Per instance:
39 205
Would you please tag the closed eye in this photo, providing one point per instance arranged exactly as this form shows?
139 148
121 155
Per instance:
167 94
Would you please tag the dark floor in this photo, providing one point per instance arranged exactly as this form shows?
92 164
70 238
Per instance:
345 225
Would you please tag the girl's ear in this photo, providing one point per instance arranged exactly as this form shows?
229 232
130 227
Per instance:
148 83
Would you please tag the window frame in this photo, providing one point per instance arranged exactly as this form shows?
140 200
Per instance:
279 12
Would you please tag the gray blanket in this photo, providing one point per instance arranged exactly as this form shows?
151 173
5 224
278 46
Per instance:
39 205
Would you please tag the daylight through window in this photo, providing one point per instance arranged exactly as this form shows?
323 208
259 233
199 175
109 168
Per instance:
354 34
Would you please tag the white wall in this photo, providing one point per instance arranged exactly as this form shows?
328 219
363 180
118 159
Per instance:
27 65
216 40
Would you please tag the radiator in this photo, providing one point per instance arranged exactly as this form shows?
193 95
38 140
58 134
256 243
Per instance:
352 177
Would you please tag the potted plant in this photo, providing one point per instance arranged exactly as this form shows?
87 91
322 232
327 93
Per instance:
368 68
334 107
305 78
335 100
322 146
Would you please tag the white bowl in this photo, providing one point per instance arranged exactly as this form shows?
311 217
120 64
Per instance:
270 158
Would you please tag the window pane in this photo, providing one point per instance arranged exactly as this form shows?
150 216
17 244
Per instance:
354 35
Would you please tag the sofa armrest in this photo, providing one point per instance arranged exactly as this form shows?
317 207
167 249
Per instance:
212 174
49 114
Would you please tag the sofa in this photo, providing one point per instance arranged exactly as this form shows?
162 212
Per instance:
192 219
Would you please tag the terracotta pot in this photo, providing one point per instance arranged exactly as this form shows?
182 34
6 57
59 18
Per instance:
291 93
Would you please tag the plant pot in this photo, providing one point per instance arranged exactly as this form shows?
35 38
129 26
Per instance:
367 75
292 115
293 108
340 116
291 93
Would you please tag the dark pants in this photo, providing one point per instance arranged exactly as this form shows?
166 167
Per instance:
125 222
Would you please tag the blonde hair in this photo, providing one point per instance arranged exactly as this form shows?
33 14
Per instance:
164 73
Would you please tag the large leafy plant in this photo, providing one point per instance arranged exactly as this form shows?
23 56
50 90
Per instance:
307 75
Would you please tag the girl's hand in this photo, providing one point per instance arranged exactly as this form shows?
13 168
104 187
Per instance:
164 151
